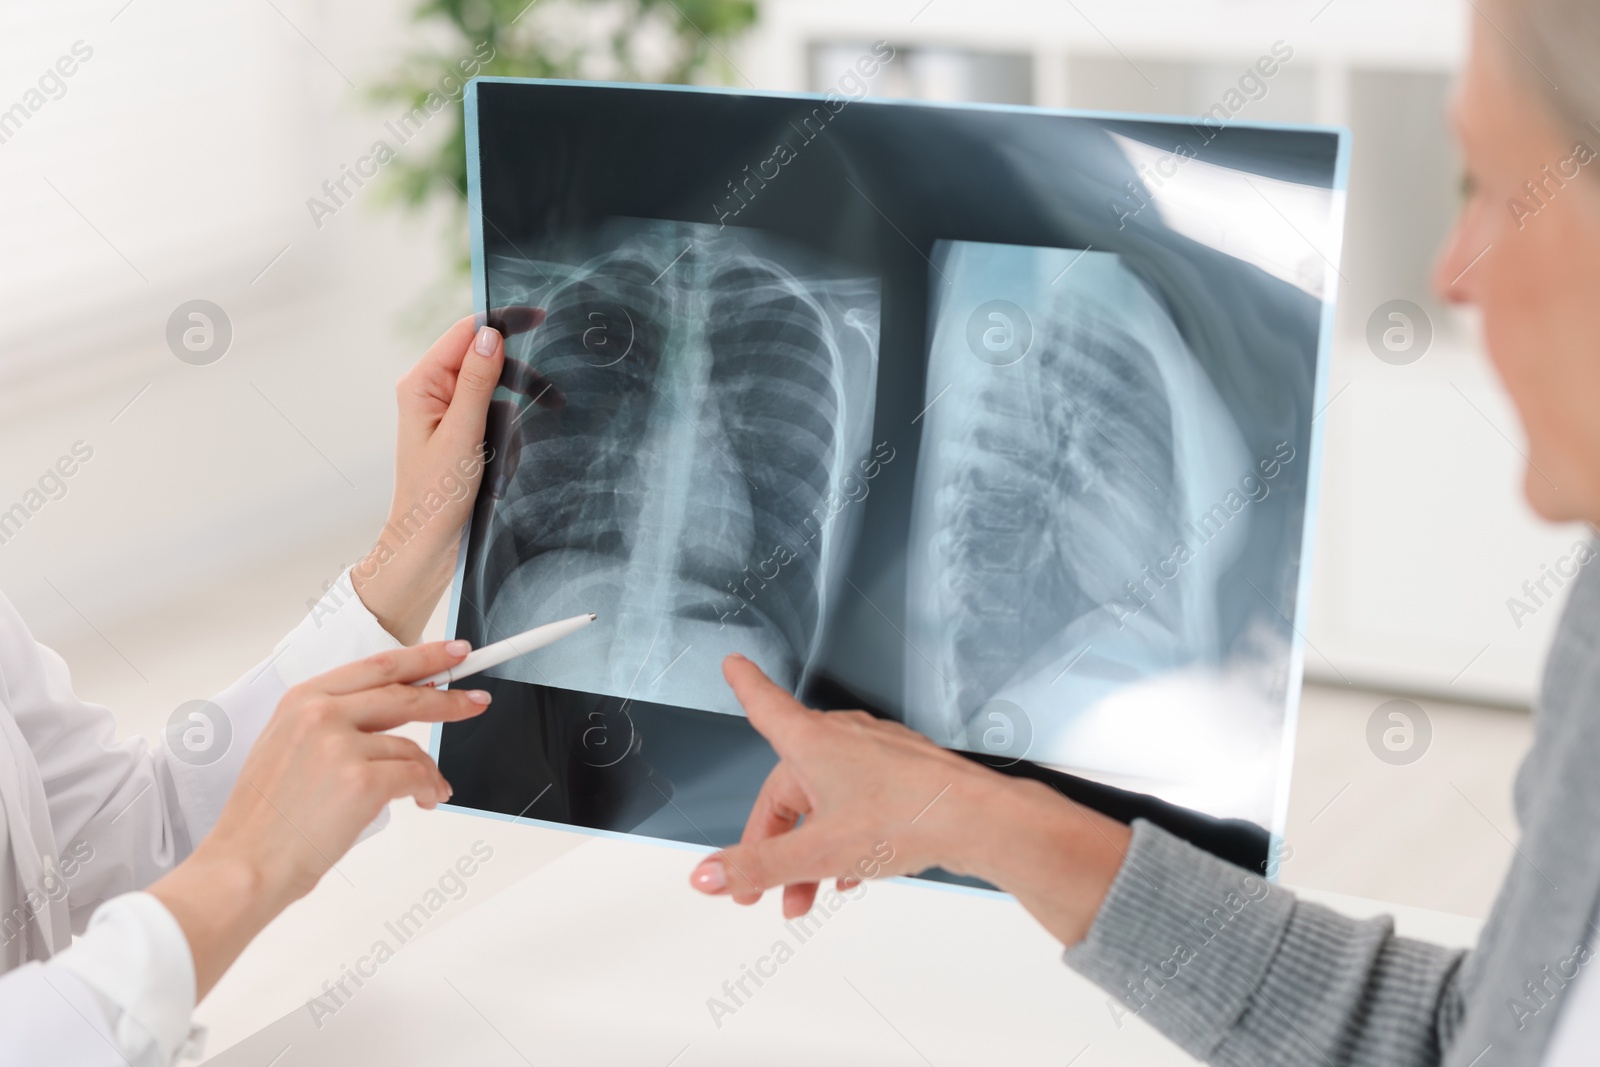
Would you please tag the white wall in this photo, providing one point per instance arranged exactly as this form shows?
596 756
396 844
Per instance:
181 157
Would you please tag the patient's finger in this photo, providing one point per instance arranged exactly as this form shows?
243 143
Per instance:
775 714
803 855
778 806
777 809
798 899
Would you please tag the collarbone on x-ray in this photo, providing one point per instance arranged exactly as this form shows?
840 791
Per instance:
718 387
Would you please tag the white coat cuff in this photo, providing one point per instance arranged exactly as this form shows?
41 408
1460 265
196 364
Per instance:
338 630
135 958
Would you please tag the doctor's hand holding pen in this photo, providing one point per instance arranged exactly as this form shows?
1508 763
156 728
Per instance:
323 768
321 772
198 847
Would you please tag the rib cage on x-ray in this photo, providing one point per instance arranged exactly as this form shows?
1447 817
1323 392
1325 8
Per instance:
713 400
1043 514
1060 476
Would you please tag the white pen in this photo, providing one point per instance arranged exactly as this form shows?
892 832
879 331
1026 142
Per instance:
481 659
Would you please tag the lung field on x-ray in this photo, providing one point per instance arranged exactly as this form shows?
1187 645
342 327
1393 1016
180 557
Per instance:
1079 437
718 387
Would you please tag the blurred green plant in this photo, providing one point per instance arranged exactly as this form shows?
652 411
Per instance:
672 41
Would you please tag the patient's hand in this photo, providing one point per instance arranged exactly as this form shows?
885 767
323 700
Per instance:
879 799
439 461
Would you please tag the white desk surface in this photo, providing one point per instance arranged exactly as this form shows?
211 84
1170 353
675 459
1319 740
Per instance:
603 955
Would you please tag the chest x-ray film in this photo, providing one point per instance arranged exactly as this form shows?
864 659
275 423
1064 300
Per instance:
998 422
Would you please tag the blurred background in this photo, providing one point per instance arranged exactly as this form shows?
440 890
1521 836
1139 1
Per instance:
184 159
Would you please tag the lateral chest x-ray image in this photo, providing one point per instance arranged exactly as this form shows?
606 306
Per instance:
1083 443
1018 452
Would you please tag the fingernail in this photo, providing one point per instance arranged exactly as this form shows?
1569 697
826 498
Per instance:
709 877
449 791
488 337
478 696
458 648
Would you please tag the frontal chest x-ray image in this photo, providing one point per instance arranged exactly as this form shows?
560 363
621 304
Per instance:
1014 452
717 407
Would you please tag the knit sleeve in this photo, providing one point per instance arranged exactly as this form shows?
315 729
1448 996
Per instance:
1237 971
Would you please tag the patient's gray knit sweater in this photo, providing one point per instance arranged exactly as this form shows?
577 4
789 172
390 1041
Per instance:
1238 971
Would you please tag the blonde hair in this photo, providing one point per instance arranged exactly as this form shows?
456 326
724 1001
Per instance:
1557 48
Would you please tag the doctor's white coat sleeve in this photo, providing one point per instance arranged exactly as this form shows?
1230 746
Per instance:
127 815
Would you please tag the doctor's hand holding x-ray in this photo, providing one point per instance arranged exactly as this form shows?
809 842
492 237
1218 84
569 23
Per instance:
183 855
